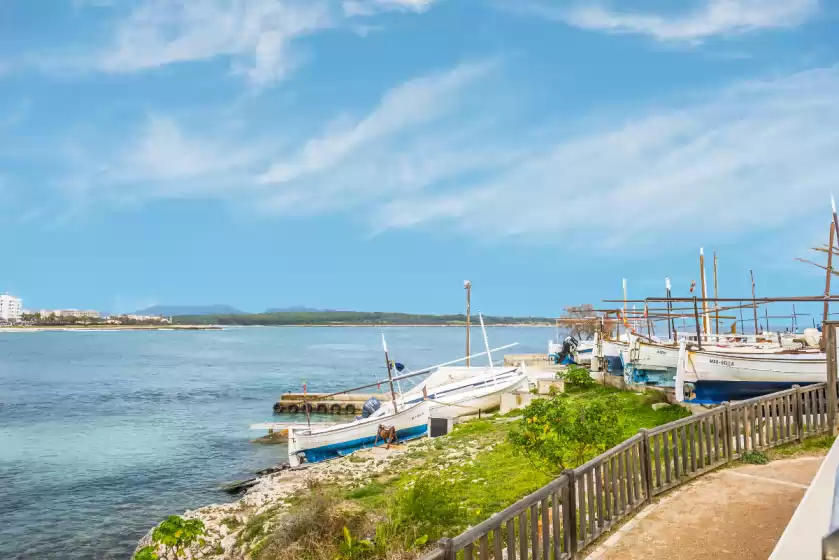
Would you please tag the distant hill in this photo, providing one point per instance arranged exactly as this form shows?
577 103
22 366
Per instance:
338 318
294 309
192 310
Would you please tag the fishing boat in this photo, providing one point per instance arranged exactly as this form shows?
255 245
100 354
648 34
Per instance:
315 445
714 377
478 399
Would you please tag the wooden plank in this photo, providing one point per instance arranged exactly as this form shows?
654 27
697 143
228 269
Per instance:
709 452
719 424
657 459
700 444
467 551
756 436
523 535
616 494
546 530
599 494
667 467
534 531
511 538
590 495
557 528
637 477
735 429
607 491
621 485
805 404
685 458
677 464
692 448
485 547
496 544
581 509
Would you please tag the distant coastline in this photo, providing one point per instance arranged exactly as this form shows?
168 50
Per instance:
355 319
94 327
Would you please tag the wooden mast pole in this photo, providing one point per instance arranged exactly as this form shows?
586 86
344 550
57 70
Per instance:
705 322
671 324
754 301
467 285
716 295
828 274
389 374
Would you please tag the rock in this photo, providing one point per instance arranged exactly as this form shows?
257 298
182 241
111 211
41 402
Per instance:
660 405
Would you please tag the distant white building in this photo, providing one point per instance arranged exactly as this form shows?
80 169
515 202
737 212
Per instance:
70 313
10 308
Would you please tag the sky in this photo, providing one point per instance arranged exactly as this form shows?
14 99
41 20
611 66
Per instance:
374 154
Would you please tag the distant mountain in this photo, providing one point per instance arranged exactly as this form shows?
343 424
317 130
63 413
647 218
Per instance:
294 309
176 310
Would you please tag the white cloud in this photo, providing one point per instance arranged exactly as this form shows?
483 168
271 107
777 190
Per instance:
752 158
712 18
371 7
256 34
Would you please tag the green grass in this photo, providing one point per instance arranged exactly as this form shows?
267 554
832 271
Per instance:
495 475
821 443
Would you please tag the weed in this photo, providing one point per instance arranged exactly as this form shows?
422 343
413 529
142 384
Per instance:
372 489
808 445
754 458
231 522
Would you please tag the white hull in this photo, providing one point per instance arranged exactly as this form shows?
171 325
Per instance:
319 445
471 402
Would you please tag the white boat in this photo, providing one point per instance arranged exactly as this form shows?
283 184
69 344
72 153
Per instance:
485 398
315 445
613 354
714 377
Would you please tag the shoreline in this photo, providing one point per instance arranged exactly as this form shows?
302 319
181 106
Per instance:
106 328
380 325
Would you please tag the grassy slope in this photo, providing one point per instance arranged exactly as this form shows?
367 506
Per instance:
495 476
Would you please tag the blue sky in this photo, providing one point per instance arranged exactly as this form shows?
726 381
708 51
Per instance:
373 154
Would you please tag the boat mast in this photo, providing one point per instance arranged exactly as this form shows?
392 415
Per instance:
716 295
624 309
705 321
389 373
486 343
754 300
828 274
671 324
467 285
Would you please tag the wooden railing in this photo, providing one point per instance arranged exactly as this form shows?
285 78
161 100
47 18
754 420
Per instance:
575 509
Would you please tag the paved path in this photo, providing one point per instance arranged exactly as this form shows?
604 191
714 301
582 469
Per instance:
732 513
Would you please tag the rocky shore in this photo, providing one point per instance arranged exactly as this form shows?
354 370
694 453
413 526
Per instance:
232 529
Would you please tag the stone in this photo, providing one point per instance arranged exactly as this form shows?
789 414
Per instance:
660 405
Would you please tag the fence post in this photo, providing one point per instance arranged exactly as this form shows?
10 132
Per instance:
646 465
798 411
569 509
447 546
728 432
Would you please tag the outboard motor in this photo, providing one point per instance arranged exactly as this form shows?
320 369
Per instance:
371 406
566 355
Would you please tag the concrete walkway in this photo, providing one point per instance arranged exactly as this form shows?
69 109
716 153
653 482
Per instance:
732 513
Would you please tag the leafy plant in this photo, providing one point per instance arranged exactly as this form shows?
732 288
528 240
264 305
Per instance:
177 533
564 432
755 458
427 505
146 553
351 548
577 377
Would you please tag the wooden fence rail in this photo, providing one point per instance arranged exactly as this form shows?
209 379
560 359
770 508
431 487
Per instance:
575 509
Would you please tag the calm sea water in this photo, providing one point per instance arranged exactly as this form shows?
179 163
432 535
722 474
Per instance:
102 434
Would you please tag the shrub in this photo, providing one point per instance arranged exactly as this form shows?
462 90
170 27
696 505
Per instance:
146 553
428 507
577 377
177 533
755 458
564 432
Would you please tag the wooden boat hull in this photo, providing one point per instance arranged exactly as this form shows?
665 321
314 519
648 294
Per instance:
719 377
320 445
483 399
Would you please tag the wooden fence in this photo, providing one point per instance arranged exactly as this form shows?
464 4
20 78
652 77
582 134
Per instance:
575 509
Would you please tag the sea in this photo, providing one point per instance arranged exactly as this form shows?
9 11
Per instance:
104 434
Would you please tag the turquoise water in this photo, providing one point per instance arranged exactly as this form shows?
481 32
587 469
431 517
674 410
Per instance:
102 434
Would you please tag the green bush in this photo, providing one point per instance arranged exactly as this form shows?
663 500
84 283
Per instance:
577 377
755 458
564 432
146 553
177 533
428 507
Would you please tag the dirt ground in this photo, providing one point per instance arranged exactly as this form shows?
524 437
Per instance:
732 513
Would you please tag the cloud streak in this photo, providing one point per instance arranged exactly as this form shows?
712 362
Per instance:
712 18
